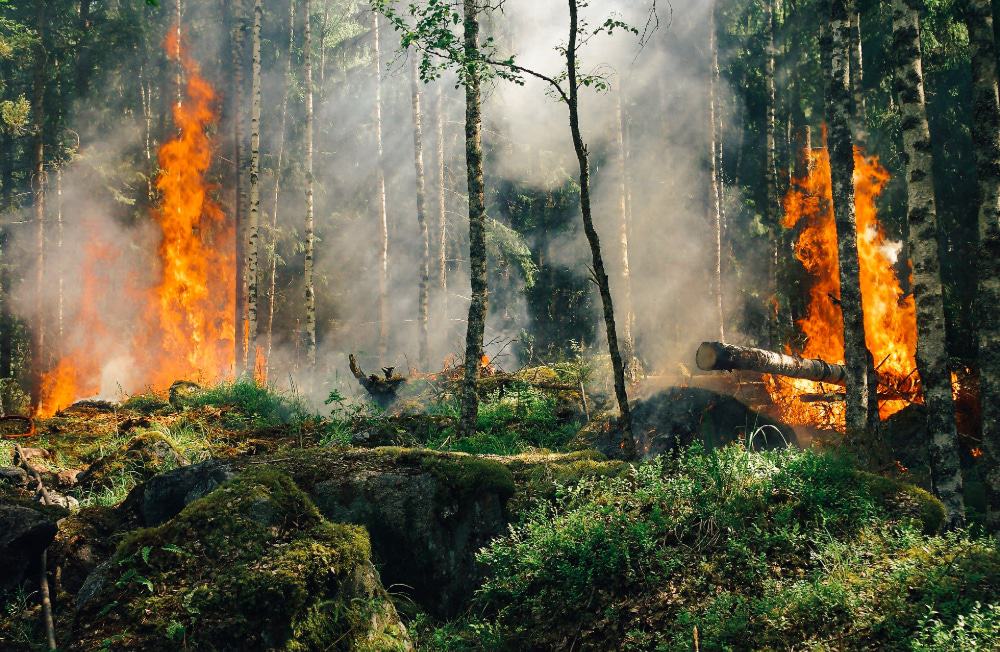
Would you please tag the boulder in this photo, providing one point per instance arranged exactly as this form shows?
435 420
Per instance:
85 539
252 565
163 496
25 531
13 476
678 416
427 513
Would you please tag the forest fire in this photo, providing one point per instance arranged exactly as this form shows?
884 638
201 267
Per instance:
185 327
890 314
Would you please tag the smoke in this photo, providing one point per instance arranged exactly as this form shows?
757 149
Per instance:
663 88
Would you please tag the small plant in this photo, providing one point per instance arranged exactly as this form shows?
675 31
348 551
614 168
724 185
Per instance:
251 405
977 630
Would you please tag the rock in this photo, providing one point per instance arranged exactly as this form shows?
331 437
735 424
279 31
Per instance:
679 416
165 495
251 566
28 453
85 539
62 500
24 533
427 513
143 456
14 476
68 478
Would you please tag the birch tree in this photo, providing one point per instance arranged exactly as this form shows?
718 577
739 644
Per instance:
715 196
861 424
986 143
253 221
423 299
383 223
310 236
921 213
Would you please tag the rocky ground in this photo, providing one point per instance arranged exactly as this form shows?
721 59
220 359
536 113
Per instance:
232 518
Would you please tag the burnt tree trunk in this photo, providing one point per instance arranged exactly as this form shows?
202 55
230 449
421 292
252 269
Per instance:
716 356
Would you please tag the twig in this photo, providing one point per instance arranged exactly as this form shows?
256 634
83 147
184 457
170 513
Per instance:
43 579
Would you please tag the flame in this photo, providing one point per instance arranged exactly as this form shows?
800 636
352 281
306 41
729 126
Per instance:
187 319
889 312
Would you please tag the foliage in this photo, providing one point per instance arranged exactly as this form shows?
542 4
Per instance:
776 547
250 404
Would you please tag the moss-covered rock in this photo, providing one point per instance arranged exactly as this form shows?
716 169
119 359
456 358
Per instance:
251 566
86 539
427 512
906 501
141 458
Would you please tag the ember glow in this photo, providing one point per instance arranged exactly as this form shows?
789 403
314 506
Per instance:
185 327
890 314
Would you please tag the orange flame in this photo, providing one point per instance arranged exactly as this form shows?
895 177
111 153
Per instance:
188 316
890 314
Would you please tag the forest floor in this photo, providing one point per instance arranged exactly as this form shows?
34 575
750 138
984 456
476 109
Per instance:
235 517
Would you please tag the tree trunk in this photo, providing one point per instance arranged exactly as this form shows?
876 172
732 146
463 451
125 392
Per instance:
479 303
772 212
310 237
59 256
986 143
442 262
423 298
715 198
857 78
383 223
717 356
861 428
600 275
83 50
253 221
271 294
238 186
631 362
38 179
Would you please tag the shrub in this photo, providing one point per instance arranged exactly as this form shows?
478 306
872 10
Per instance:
252 405
762 550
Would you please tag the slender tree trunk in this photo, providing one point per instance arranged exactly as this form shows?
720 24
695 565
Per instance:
479 302
279 166
631 362
238 185
423 298
383 223
772 212
442 226
59 256
715 197
986 143
862 430
179 67
310 237
932 357
600 275
83 50
253 222
857 78
322 50
38 179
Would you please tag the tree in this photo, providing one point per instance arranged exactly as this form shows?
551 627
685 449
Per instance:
423 298
253 222
383 223
38 175
236 16
442 217
631 361
277 184
310 236
861 424
715 195
932 358
986 144
772 213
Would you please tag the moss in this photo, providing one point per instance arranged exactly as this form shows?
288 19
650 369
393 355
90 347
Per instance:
149 403
142 457
907 500
538 475
253 562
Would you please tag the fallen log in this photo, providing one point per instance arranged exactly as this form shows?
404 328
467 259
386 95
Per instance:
716 356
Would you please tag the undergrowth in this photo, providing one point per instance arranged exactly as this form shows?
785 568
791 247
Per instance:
768 550
251 405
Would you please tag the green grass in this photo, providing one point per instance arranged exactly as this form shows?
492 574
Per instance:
251 405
